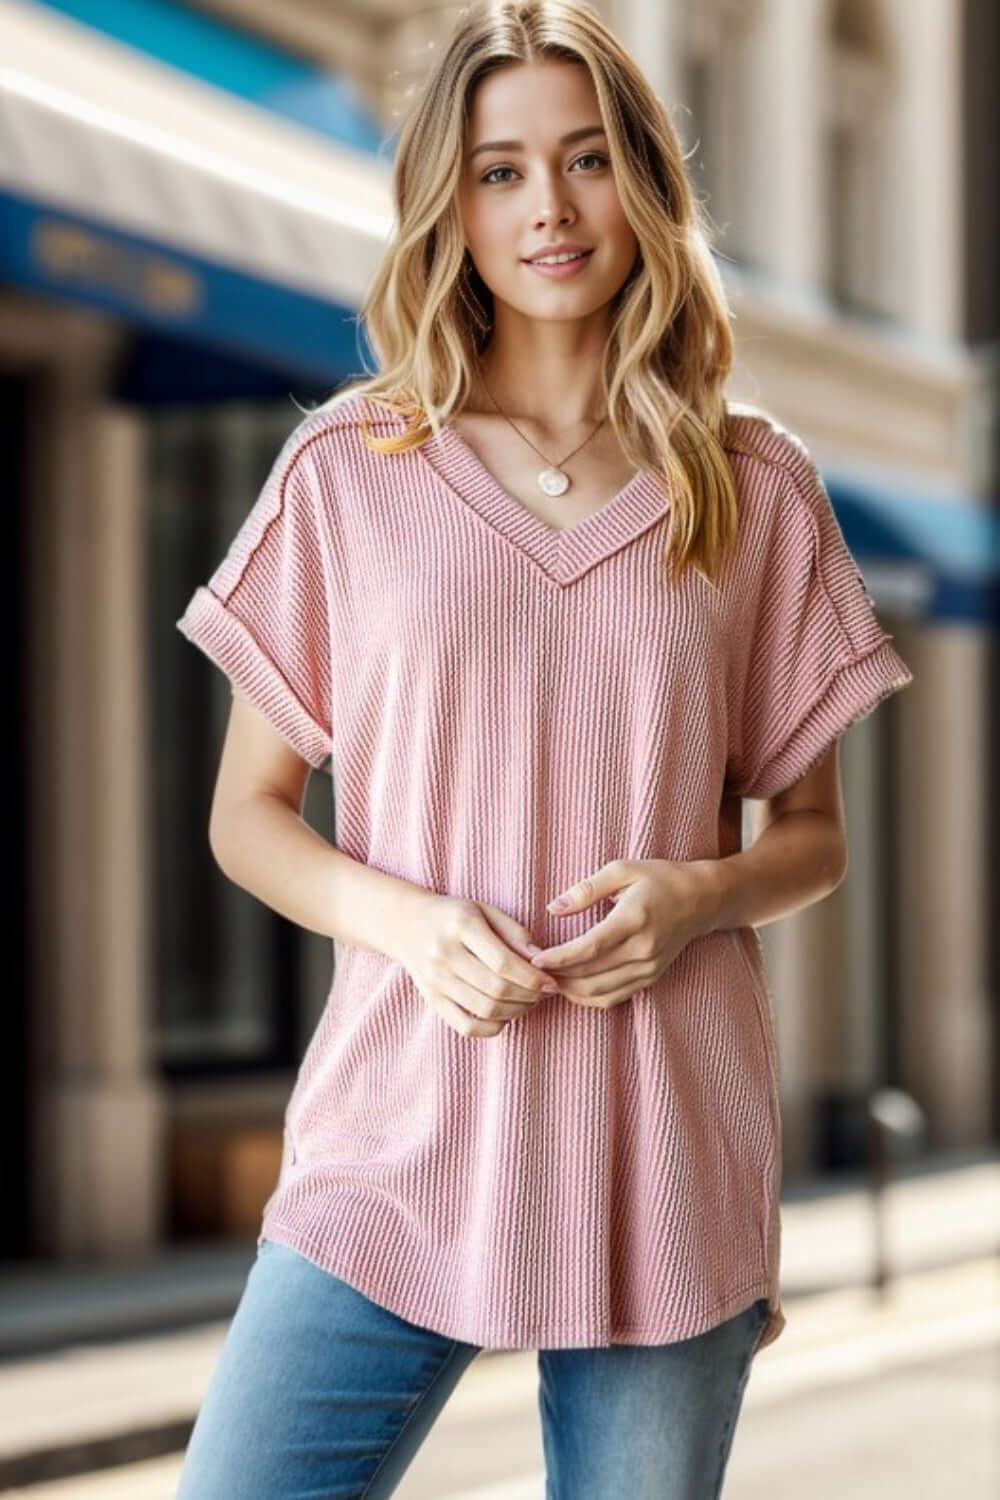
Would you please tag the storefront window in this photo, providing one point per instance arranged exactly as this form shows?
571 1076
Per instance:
239 987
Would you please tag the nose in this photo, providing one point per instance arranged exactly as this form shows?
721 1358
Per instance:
562 215
556 206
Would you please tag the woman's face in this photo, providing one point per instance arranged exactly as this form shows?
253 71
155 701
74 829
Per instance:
539 189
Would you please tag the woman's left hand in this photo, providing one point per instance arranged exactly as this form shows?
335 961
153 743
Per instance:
660 905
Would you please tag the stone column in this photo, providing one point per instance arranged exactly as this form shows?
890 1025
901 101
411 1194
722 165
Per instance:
97 1169
784 184
650 31
945 1003
924 254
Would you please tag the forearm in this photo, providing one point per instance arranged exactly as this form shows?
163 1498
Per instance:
266 848
798 859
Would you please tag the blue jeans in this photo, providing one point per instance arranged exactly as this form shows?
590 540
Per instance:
319 1392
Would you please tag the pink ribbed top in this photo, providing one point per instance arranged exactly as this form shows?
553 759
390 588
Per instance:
508 706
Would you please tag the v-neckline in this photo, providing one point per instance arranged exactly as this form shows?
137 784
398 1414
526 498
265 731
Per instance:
564 553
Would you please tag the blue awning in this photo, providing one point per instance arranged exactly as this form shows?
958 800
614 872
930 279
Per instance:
922 553
210 48
131 187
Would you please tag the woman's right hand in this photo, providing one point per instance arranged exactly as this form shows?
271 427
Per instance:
462 956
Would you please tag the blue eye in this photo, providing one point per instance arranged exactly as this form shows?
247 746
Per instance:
587 155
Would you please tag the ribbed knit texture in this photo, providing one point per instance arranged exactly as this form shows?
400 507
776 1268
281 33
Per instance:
509 706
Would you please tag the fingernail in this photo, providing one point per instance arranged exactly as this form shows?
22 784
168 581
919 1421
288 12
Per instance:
557 903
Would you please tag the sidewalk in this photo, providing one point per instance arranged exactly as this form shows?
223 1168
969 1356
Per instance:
87 1404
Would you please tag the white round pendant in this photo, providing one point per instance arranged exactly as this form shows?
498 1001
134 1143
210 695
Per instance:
553 481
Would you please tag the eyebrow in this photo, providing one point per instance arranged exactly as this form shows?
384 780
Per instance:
564 140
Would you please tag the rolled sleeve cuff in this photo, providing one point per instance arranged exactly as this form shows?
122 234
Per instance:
226 641
857 687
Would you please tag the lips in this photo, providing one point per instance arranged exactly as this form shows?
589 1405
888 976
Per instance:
579 250
543 260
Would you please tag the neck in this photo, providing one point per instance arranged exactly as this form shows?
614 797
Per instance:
552 393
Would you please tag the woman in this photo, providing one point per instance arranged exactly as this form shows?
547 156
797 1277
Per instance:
552 609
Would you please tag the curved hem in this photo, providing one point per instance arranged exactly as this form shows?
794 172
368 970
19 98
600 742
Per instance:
551 1338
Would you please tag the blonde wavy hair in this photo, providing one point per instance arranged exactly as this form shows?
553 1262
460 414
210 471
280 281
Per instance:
428 313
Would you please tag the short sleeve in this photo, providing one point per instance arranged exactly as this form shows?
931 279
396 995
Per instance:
263 616
817 660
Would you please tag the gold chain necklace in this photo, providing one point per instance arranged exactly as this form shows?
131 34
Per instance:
551 479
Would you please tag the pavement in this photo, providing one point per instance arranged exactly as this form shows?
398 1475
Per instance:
102 1369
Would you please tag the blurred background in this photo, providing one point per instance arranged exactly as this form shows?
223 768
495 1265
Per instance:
193 197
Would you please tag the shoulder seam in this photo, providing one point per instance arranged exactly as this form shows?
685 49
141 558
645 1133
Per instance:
791 465
299 444
303 436
338 416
